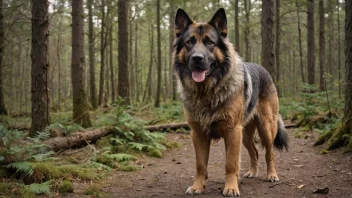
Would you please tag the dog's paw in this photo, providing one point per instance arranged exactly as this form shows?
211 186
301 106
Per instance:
272 178
250 174
194 190
231 192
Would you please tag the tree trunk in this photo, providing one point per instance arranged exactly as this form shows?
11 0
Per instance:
247 8
123 83
102 54
93 88
136 60
158 89
268 56
342 135
310 43
171 47
80 102
277 49
339 46
237 28
300 42
321 45
130 61
112 82
3 110
40 65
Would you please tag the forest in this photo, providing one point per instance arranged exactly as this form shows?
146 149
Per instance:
89 101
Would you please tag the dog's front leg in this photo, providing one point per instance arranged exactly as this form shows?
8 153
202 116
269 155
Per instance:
201 146
233 138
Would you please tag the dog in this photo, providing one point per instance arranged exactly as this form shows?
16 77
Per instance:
224 97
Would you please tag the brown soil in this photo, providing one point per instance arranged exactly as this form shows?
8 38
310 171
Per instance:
301 165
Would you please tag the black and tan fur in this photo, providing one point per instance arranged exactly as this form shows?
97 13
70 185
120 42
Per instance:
224 97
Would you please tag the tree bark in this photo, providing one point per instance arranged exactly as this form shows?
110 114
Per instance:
158 87
93 88
339 45
300 42
237 29
171 48
247 8
268 56
277 49
40 65
310 43
112 82
80 101
123 83
321 45
102 54
3 110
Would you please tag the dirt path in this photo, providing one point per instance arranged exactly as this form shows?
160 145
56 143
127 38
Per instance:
302 165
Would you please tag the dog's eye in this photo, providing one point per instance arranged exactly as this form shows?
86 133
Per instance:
210 43
189 42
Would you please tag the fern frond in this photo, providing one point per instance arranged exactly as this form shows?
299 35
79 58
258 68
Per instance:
43 188
137 146
24 167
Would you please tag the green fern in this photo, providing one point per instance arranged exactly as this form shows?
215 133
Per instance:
43 188
121 157
24 167
137 146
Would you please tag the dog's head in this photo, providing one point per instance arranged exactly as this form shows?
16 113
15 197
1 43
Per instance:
201 49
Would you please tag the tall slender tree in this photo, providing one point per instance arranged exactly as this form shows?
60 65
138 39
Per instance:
237 28
268 56
3 110
321 44
339 45
171 47
277 48
158 87
102 53
247 9
92 86
80 100
40 65
123 83
310 43
300 42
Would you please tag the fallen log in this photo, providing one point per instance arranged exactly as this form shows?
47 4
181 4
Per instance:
172 126
78 139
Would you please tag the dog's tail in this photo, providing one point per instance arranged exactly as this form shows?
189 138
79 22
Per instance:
281 139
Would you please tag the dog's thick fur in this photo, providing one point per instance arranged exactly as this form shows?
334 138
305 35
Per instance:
224 98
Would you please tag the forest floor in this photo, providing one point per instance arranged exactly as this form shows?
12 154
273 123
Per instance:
301 170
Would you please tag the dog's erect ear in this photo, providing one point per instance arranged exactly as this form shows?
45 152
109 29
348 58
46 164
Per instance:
219 22
182 21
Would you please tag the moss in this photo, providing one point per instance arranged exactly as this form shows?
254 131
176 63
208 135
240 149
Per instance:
348 148
323 138
103 142
45 171
129 168
171 145
65 187
155 153
93 190
10 189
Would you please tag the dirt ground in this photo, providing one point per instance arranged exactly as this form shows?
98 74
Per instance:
301 170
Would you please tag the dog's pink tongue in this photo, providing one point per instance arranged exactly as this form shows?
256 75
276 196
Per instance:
198 76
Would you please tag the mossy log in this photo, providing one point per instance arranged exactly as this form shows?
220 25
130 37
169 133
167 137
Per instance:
79 139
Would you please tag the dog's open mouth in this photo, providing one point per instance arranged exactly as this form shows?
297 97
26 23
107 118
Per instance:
199 75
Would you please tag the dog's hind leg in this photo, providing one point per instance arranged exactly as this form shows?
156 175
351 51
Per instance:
248 142
267 128
201 146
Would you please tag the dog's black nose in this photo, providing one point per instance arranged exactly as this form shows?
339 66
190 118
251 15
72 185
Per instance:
197 58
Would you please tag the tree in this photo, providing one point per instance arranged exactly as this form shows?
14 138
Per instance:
123 84
277 48
237 28
310 43
102 53
80 102
321 44
3 110
247 9
300 42
158 86
268 56
342 136
93 88
40 65
171 47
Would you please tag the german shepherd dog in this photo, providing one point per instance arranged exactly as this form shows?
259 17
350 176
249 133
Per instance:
224 97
